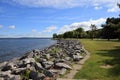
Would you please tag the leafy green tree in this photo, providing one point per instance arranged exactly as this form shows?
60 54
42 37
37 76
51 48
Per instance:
93 30
111 28
60 36
55 35
79 32
118 32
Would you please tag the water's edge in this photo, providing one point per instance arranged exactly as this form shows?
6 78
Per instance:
46 64
11 48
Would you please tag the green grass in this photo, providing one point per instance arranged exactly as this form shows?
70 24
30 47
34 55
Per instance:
102 53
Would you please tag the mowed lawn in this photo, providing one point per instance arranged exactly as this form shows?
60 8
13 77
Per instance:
104 62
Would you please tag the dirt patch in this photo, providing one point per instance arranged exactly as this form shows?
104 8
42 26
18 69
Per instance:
106 66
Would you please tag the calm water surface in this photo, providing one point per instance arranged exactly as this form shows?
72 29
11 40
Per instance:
11 48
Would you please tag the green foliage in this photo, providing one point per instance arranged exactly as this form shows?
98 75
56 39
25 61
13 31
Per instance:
55 35
25 76
93 30
35 58
111 28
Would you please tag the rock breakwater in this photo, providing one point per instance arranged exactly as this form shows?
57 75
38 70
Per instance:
46 64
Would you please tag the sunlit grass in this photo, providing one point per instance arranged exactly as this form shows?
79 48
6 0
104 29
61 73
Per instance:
102 53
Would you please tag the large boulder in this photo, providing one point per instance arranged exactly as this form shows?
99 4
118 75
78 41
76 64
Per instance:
78 47
8 66
36 51
63 65
36 76
18 71
47 56
6 75
48 64
15 77
49 73
28 61
62 71
38 66
77 57
67 58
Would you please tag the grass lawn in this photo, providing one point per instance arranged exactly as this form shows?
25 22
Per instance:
104 63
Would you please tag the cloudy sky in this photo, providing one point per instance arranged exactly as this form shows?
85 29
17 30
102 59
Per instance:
42 18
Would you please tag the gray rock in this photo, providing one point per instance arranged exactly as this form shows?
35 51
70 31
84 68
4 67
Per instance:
67 58
28 61
18 71
1 78
77 51
49 73
15 77
48 64
21 64
63 71
30 55
8 66
48 56
42 60
54 71
36 76
6 75
78 47
38 66
3 64
36 51
77 58
63 65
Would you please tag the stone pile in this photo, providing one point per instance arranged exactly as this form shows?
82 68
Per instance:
48 63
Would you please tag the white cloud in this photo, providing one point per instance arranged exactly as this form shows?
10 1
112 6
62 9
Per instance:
113 8
97 4
1 26
85 25
34 30
97 8
49 3
50 29
12 27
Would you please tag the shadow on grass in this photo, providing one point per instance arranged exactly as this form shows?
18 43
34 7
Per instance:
114 60
111 40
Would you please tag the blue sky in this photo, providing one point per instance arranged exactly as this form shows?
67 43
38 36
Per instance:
42 18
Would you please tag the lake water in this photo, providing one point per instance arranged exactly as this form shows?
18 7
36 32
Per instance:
11 48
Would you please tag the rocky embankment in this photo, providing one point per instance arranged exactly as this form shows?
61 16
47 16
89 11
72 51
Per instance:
47 64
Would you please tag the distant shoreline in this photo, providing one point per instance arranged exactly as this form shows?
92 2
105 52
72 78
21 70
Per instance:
29 38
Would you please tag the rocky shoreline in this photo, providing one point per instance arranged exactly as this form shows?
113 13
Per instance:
47 64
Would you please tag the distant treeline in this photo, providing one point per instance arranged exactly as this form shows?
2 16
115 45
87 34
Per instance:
109 30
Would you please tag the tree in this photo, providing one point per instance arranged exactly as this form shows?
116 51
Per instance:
118 32
93 30
111 28
79 32
55 35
